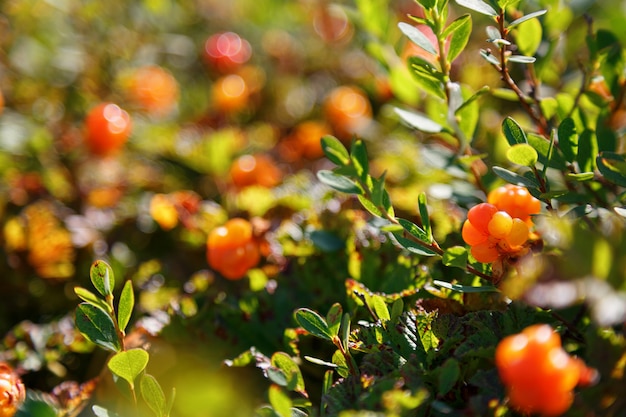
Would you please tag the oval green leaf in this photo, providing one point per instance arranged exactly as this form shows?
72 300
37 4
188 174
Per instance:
419 121
334 150
313 323
280 401
417 37
333 318
97 326
91 298
338 182
522 154
126 305
461 30
153 395
129 364
513 132
284 362
102 277
478 6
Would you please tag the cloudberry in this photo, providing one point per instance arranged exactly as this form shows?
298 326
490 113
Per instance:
232 249
255 170
537 372
12 392
516 201
492 233
154 89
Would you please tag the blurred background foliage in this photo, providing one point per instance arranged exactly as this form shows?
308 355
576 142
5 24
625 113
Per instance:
315 67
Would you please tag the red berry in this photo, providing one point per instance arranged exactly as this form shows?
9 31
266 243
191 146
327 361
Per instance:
480 215
107 129
232 250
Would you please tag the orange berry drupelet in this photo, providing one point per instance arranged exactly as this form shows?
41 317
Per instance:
107 129
538 373
232 249
516 201
12 391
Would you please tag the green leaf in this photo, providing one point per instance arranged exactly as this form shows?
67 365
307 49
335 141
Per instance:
472 98
412 246
153 395
522 154
513 132
465 288
129 364
461 29
280 401
378 305
396 309
455 256
333 318
581 177
548 154
86 295
478 6
126 305
414 229
97 326
613 167
527 17
417 37
419 121
321 362
427 76
528 37
334 150
102 277
489 57
449 374
425 216
345 331
358 156
284 362
313 323
514 178
587 151
338 182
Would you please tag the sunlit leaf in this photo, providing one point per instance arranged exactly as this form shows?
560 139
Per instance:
284 362
358 156
338 182
513 132
455 256
313 323
521 59
334 150
465 288
129 364
613 167
417 37
333 318
126 305
91 298
419 121
280 401
528 37
478 6
153 395
102 277
460 30
522 154
527 17
514 178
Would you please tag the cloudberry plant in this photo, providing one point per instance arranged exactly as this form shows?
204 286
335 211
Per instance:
516 201
107 129
538 373
493 234
232 249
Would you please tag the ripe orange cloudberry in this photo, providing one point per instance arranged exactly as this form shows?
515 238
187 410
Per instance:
538 373
12 392
154 90
492 233
255 170
516 201
232 249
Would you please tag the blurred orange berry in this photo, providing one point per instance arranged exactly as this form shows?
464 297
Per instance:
154 89
163 211
107 129
348 110
232 249
255 170
12 391
304 141
230 93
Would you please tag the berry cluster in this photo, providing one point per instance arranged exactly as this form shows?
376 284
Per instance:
232 249
538 373
500 227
